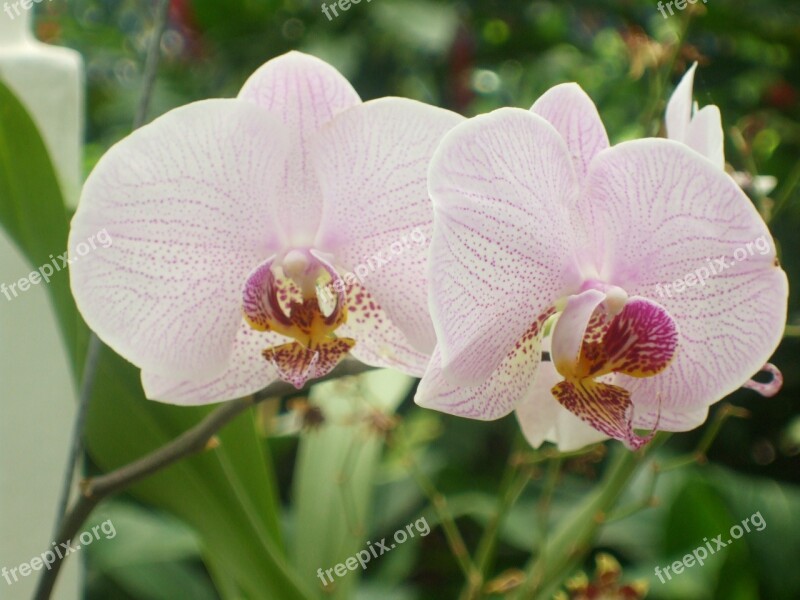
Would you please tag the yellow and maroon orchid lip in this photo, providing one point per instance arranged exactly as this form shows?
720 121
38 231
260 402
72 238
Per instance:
284 298
589 341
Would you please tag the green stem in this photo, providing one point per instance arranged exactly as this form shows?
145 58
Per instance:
787 190
198 439
511 487
454 539
537 574
573 539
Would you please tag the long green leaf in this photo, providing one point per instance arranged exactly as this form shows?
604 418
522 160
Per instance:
32 208
334 476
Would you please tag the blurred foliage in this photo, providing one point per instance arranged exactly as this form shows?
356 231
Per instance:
473 57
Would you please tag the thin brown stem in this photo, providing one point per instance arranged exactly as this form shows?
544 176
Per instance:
195 440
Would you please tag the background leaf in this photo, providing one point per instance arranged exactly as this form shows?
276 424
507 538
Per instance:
335 474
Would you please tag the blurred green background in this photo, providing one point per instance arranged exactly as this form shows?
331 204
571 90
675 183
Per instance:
473 57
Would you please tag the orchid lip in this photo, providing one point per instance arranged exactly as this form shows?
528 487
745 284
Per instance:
601 334
281 296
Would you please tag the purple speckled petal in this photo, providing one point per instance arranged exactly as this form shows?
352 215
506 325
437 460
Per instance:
246 373
668 420
660 215
372 162
379 342
770 388
606 407
298 364
187 202
640 341
502 248
498 395
570 110
305 93
266 297
542 418
570 432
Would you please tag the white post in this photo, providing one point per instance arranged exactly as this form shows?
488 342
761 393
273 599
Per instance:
38 398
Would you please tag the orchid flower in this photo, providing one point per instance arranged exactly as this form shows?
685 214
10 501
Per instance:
238 225
540 226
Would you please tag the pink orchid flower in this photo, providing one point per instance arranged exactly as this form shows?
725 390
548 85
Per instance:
263 237
698 128
541 226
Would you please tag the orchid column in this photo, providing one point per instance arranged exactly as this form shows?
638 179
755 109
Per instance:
38 397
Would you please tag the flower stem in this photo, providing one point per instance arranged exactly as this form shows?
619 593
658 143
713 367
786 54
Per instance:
572 541
199 438
514 481
787 190
439 503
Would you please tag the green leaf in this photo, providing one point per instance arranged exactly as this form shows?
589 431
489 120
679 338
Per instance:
774 536
32 208
235 516
334 475
151 556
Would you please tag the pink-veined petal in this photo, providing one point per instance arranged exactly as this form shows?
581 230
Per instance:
668 420
305 93
297 363
377 218
769 388
669 216
570 329
680 107
572 433
379 342
570 110
640 341
498 395
706 136
247 372
606 407
187 204
266 297
542 418
502 247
